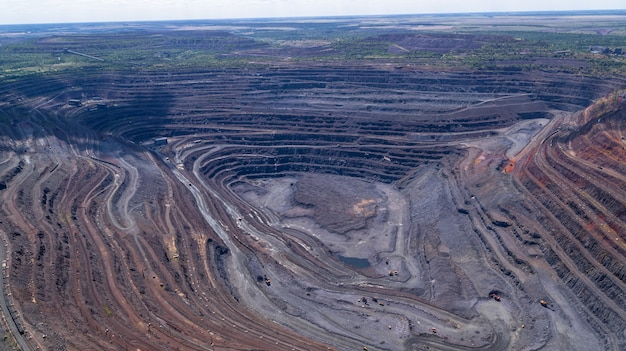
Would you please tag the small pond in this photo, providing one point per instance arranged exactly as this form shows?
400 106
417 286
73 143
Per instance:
355 261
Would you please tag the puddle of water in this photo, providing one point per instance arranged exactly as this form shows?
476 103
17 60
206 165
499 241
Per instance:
355 261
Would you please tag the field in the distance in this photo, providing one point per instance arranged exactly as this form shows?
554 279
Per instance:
436 182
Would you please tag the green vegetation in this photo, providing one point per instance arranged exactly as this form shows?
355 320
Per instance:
9 341
513 43
107 310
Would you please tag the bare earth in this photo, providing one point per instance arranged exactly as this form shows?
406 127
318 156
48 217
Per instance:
319 206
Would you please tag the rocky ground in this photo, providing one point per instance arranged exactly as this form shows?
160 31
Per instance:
327 205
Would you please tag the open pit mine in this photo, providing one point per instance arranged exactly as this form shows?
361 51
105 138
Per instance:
235 193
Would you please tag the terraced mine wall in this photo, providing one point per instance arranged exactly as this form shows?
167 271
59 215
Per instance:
177 210
572 162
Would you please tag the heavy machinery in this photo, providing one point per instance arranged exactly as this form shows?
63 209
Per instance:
495 296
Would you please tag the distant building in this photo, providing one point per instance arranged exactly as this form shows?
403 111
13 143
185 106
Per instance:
160 141
596 49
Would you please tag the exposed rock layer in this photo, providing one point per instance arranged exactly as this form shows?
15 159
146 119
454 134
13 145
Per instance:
218 240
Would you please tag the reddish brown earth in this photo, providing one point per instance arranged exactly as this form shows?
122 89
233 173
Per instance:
331 205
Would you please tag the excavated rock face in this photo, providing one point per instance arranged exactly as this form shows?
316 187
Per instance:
313 205
577 181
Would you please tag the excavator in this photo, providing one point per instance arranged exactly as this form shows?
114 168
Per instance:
495 296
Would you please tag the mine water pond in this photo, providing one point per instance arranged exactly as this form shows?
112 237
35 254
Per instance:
355 262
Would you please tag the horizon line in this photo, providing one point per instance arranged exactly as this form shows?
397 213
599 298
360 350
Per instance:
476 13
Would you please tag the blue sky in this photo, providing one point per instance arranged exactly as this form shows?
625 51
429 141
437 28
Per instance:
58 11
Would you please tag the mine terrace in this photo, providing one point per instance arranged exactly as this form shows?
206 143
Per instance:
377 183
